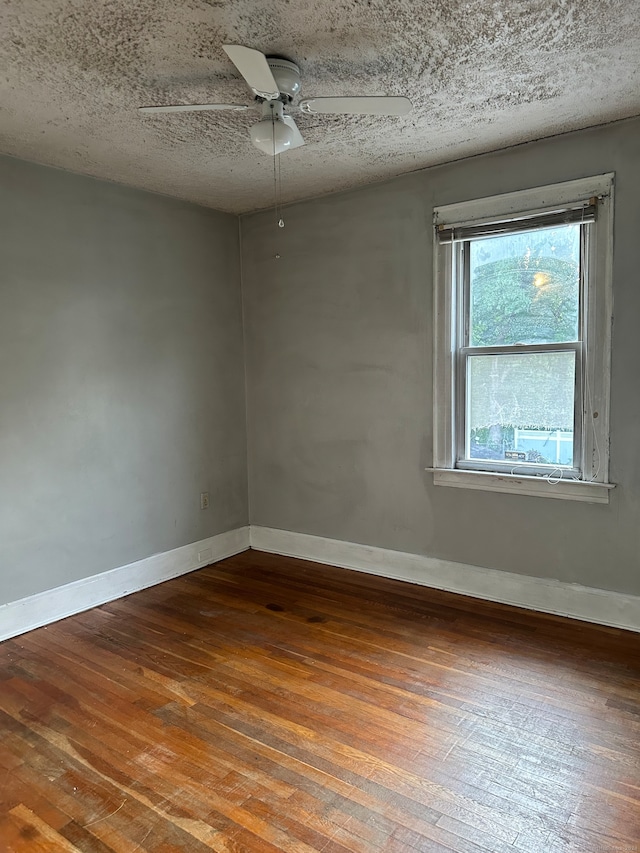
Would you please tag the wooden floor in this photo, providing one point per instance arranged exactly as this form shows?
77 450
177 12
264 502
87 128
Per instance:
267 704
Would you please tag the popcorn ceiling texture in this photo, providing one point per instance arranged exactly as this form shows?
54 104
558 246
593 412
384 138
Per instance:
482 74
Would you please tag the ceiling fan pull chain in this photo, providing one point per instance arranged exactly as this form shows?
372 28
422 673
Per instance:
280 220
275 174
277 182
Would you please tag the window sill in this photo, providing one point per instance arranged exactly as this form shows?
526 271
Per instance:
568 490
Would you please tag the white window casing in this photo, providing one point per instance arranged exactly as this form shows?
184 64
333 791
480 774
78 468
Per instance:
589 479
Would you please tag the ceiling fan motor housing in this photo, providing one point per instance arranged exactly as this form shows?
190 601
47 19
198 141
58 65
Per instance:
286 75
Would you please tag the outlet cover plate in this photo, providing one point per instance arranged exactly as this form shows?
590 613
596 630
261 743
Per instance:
205 556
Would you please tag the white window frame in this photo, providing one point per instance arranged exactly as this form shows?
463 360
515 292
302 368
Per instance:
593 485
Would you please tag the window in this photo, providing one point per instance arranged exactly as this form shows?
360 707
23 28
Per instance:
522 337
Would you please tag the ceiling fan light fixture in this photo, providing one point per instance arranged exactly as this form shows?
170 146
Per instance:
272 134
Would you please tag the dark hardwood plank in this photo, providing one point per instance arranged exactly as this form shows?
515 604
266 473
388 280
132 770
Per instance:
269 704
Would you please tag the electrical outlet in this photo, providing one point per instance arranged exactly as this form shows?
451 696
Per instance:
205 556
204 500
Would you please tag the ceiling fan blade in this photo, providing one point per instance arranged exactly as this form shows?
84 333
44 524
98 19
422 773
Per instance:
297 139
187 108
255 69
366 106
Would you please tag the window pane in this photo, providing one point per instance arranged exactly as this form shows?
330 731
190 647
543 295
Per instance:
520 408
525 288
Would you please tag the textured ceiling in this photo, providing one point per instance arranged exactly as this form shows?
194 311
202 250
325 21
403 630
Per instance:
482 75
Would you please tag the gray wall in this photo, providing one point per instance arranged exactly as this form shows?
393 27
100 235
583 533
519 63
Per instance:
339 360
121 376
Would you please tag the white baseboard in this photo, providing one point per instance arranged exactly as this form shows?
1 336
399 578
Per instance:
602 607
23 615
614 609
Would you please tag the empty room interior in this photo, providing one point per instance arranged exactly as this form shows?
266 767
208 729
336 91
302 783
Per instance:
319 443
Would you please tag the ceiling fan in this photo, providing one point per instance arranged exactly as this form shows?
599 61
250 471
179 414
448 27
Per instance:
275 82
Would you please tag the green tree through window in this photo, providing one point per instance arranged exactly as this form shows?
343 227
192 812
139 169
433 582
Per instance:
531 293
